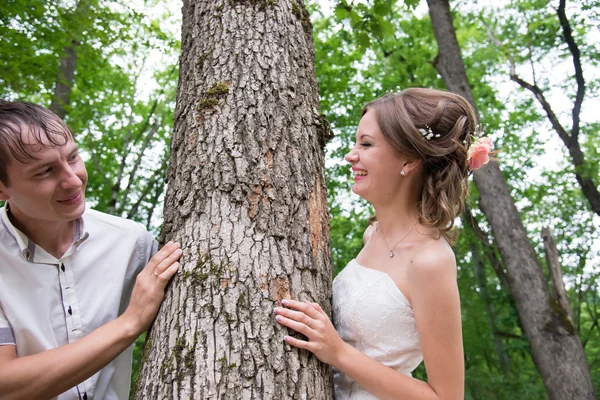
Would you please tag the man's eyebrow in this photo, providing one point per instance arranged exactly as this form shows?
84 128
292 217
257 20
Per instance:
39 164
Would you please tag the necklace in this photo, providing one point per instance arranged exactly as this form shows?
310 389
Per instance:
404 237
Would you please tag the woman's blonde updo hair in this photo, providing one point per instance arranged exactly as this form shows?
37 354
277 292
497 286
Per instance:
405 119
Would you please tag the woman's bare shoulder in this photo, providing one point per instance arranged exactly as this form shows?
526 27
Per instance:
434 258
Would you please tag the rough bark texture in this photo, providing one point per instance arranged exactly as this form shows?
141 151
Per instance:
557 350
552 259
247 201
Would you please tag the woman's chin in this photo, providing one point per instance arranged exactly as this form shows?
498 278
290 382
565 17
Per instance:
356 189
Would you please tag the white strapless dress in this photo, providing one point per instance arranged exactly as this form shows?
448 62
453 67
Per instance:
372 315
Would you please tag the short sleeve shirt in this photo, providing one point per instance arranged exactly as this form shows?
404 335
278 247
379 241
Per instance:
47 302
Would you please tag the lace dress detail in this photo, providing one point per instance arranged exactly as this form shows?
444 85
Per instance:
372 315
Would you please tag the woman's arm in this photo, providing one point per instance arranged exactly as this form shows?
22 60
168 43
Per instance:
436 305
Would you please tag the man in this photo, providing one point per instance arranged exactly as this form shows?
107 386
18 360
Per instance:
77 286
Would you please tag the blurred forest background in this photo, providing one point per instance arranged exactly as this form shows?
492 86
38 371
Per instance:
109 68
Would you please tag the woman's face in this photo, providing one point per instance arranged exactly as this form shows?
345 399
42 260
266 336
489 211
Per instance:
376 166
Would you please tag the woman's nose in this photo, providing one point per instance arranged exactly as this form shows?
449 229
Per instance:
351 156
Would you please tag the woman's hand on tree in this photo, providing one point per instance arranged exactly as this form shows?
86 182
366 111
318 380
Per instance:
310 320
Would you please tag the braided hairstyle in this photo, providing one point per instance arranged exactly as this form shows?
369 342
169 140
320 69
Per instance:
438 128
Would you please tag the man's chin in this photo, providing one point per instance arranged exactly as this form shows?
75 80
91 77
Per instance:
75 213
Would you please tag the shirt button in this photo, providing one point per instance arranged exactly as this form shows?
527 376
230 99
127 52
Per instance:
70 311
62 266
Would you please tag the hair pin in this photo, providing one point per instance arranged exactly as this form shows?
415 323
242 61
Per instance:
427 133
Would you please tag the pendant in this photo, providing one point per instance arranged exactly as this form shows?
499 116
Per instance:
391 254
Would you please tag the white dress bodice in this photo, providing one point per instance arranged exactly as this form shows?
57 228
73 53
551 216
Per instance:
372 315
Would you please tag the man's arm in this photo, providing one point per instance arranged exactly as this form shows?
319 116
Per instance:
50 373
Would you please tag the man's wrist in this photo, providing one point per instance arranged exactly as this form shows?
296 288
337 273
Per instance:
129 326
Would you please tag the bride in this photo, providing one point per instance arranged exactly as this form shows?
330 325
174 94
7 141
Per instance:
397 303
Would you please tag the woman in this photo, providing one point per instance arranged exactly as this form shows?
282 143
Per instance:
397 303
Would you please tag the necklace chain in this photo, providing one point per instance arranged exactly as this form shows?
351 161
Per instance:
391 254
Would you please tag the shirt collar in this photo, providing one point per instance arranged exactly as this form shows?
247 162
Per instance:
28 247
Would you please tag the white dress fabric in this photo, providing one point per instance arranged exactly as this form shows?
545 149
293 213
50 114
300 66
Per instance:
372 315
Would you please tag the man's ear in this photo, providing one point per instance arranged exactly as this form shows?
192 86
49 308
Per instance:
3 192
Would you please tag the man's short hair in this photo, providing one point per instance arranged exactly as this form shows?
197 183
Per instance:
45 128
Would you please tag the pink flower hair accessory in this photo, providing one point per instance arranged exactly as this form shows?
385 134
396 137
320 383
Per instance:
479 153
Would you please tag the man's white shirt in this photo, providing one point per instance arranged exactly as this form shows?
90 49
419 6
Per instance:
47 302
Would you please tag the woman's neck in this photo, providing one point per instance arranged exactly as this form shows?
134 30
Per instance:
395 220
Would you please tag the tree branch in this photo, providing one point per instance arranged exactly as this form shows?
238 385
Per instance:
96 162
127 143
538 93
560 293
156 175
487 247
594 315
588 186
136 165
153 108
510 335
574 49
160 187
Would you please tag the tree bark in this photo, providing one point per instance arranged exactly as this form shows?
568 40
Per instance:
68 64
247 201
557 350
560 293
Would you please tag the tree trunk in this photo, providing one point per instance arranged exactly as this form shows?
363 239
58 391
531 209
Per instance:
68 64
247 201
557 350
503 359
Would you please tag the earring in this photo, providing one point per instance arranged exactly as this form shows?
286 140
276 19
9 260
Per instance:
402 173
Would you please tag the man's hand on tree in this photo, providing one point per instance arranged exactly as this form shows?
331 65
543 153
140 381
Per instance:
149 289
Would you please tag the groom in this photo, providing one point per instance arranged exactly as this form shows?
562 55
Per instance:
77 286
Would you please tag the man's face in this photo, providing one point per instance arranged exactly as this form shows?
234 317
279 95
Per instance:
49 189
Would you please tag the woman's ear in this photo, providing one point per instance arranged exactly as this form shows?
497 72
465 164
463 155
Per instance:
410 166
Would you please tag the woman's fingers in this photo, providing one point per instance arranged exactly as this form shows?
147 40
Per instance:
317 306
295 325
302 344
305 307
294 315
